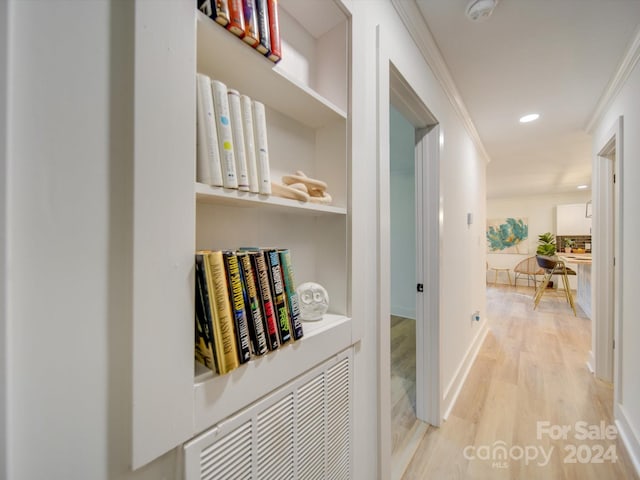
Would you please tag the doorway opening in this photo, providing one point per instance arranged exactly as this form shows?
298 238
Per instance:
608 261
409 252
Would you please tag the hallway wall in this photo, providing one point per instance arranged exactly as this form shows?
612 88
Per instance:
627 104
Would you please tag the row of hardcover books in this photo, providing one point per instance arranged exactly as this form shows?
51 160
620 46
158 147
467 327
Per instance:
255 21
246 305
232 145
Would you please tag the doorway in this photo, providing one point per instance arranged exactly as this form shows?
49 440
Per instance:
409 234
608 262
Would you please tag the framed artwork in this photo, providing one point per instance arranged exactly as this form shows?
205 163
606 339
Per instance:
508 235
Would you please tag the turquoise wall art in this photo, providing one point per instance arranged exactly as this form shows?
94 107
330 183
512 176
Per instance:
508 235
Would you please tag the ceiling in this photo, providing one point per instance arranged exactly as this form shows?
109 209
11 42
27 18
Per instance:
552 57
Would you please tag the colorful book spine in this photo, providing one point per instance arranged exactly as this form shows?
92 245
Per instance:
278 295
293 302
222 12
224 329
262 148
208 154
249 142
252 305
204 348
236 18
251 35
236 296
237 130
274 31
264 290
225 136
262 10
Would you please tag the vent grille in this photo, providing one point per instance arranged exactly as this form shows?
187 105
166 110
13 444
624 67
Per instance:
229 457
300 431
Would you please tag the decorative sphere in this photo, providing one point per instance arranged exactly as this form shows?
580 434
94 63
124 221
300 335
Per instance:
314 301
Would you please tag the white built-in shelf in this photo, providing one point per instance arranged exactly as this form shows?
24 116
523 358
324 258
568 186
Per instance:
237 198
253 74
217 396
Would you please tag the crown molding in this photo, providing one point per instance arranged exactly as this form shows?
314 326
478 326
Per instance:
625 67
413 21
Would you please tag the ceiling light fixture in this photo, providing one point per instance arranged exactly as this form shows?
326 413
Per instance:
582 187
529 118
480 10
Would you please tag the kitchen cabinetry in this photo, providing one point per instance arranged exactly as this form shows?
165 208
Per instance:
571 220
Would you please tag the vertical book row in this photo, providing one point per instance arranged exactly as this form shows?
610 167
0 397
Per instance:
232 144
246 305
254 21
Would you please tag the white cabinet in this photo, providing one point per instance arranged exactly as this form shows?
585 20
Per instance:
306 96
571 220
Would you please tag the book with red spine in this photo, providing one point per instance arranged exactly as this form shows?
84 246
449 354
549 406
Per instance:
259 265
275 55
251 35
236 18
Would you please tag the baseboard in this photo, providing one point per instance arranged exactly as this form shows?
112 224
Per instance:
403 312
453 390
629 437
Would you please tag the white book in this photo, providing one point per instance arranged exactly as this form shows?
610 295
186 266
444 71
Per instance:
249 142
208 156
237 130
225 137
262 148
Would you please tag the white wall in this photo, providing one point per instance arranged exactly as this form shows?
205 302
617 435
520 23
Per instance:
70 218
70 162
4 37
627 104
462 190
403 216
540 211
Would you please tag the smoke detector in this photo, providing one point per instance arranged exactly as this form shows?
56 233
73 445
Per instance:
480 10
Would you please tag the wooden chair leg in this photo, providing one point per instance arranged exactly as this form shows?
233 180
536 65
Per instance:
567 291
540 291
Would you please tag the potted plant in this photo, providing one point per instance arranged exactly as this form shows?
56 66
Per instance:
546 245
568 245
546 248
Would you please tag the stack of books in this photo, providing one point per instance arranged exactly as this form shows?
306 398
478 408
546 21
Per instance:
232 145
246 305
254 21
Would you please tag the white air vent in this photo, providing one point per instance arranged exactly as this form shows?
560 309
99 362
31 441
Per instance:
300 431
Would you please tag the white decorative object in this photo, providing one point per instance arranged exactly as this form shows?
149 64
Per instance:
314 301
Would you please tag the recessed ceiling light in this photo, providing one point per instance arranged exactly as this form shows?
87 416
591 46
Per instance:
529 118
582 187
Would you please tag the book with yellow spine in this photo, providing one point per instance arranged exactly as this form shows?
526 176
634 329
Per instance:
226 348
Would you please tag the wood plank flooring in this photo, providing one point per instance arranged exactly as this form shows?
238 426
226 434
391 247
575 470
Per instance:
406 430
531 368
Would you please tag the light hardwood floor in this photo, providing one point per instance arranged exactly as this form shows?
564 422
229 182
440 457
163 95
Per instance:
406 430
531 368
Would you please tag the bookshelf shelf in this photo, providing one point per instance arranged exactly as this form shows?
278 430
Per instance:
253 74
237 198
217 397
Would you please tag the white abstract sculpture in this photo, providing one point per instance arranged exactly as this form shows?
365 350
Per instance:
314 301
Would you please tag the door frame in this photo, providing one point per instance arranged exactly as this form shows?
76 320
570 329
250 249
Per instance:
392 85
606 286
